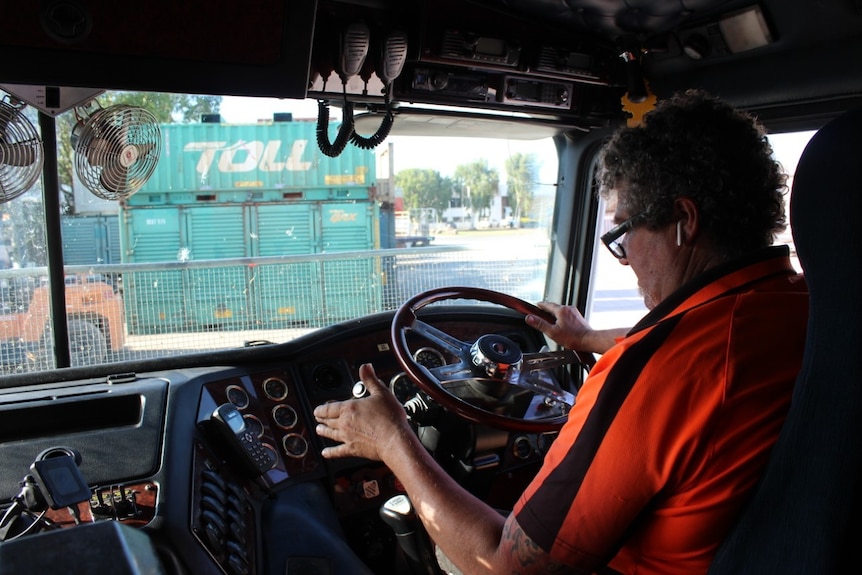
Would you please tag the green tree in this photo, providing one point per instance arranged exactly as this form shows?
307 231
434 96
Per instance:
479 182
166 108
424 188
521 175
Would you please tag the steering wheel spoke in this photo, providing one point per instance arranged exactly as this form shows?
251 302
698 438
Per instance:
539 382
448 342
551 359
450 372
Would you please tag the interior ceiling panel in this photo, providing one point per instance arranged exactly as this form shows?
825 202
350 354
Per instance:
279 48
254 48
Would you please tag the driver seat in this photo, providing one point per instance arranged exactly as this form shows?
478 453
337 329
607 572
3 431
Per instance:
804 516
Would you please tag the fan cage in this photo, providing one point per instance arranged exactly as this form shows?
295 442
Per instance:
21 152
117 151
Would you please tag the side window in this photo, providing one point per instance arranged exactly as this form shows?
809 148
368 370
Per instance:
614 297
615 300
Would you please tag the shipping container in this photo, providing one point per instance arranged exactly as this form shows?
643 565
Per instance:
91 239
246 192
253 162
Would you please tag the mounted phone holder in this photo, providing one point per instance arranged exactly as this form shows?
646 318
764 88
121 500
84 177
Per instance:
54 482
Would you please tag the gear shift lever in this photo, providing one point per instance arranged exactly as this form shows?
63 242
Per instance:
398 513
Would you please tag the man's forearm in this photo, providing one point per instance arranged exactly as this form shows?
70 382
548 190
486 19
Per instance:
465 528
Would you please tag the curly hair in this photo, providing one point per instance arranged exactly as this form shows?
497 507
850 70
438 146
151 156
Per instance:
693 145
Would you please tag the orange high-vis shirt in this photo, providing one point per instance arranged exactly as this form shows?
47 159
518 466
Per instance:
673 427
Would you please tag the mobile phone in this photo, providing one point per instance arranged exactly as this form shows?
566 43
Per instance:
248 450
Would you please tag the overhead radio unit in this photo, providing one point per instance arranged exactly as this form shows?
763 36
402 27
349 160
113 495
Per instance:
469 86
541 93
469 47
562 63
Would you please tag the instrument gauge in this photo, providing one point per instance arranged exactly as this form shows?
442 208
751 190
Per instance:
429 357
284 416
521 447
403 387
253 424
275 388
237 396
295 445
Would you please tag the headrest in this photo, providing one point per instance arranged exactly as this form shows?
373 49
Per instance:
826 207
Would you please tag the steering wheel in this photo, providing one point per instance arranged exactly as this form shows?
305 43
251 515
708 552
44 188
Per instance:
491 375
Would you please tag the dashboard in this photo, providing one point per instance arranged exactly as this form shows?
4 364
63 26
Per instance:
157 460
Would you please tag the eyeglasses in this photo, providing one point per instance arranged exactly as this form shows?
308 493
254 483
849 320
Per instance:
613 239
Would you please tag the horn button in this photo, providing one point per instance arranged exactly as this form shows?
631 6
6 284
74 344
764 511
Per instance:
497 356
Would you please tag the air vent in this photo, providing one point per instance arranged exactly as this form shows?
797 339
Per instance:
326 376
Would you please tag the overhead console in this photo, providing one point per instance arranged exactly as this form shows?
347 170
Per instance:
462 57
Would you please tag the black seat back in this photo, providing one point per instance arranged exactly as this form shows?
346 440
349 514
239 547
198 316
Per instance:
805 515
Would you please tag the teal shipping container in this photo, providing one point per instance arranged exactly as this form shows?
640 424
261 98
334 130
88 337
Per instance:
206 206
91 239
253 162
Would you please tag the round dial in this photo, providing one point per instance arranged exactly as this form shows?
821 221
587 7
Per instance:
253 424
295 445
402 387
275 389
429 357
521 447
237 396
284 416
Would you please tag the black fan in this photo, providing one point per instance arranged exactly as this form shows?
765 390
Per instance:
21 152
116 150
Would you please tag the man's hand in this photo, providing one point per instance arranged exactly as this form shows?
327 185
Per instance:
572 331
468 531
367 427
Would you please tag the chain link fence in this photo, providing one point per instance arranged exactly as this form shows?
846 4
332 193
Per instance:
134 311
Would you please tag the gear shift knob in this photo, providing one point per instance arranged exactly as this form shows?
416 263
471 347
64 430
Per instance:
398 513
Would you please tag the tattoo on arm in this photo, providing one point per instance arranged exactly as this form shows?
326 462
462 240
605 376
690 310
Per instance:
525 556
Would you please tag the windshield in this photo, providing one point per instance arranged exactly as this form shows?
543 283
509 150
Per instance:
242 231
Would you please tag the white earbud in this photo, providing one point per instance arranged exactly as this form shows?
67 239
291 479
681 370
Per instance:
679 233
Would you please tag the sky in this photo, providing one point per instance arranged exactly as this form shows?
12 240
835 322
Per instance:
237 110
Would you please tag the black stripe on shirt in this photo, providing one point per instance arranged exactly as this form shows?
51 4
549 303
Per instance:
550 505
